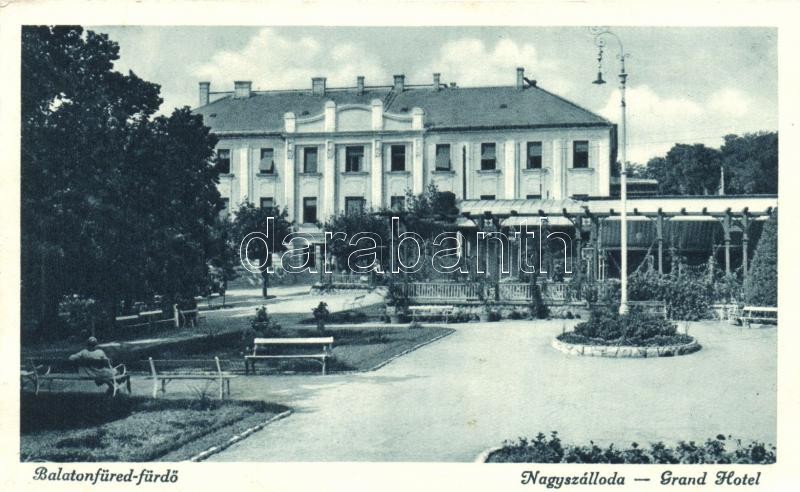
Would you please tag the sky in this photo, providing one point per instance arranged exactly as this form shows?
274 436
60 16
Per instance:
685 85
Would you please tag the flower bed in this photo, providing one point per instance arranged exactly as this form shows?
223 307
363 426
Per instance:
544 450
637 334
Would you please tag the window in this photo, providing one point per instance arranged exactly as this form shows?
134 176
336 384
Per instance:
443 157
397 202
226 207
580 153
267 163
310 160
353 205
398 154
534 155
354 159
309 210
267 202
488 157
224 161
487 197
533 197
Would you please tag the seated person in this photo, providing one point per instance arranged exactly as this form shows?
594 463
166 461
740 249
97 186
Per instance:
93 362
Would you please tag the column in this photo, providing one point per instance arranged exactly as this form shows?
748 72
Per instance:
377 174
603 168
660 239
510 169
726 230
418 170
578 223
244 174
557 180
464 153
745 244
288 180
329 180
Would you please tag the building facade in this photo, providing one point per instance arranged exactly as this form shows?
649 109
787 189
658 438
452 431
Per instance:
322 151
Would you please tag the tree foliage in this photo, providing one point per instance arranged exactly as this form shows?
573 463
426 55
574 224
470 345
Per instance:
116 204
750 163
761 288
249 219
375 224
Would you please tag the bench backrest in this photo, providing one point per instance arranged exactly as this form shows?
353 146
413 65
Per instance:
760 309
182 364
294 341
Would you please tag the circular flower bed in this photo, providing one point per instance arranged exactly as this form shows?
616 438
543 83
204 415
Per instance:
607 334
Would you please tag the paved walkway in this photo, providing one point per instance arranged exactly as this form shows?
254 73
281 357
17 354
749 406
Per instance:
485 383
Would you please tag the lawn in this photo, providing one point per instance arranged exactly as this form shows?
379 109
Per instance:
354 349
69 427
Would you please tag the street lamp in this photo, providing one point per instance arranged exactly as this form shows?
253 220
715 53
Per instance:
600 36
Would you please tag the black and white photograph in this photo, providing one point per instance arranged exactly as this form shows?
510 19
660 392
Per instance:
289 244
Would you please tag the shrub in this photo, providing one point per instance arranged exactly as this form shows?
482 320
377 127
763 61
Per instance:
321 315
635 328
261 326
762 285
543 450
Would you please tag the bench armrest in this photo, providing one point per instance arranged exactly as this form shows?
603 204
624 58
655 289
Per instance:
120 372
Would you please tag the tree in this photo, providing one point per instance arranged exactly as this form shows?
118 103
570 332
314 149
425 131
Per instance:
687 170
248 219
751 163
116 205
351 224
761 287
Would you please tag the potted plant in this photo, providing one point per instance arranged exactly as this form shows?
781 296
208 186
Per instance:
262 325
321 315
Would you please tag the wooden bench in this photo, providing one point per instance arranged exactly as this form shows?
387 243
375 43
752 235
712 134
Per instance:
325 344
36 375
143 318
658 308
212 372
445 311
759 314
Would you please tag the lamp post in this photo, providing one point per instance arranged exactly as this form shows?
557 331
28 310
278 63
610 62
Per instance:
600 36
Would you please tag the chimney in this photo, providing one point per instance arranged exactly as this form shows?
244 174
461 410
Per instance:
241 89
520 78
399 83
205 88
437 81
360 84
318 86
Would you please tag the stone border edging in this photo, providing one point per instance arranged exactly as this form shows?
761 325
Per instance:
238 437
627 351
407 351
484 456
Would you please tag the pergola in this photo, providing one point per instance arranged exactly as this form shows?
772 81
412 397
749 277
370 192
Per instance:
592 215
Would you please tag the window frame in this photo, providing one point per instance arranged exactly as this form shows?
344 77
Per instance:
306 206
271 200
583 164
220 160
530 162
351 199
347 164
306 152
392 156
449 157
493 161
271 169
401 199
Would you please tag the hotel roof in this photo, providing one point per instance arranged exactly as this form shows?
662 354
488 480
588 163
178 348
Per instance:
449 108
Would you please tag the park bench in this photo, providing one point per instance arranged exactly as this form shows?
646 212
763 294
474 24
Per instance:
759 314
143 318
36 375
658 308
321 346
432 311
188 370
356 303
